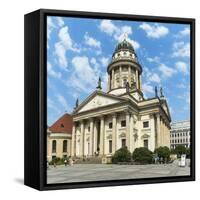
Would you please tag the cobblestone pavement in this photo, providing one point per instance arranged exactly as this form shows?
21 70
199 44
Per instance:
95 172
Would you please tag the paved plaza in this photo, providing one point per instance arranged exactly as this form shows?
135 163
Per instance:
95 172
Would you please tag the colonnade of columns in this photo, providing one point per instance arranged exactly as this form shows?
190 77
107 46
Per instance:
163 136
97 141
112 82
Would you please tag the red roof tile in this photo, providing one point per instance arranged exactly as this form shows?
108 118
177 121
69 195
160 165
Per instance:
62 125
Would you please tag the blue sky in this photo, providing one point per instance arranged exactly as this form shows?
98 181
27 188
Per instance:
79 50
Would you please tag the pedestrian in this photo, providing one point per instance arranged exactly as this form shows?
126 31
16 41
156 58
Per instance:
54 164
65 162
161 160
70 161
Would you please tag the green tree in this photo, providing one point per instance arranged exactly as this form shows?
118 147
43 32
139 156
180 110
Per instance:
122 155
142 155
163 152
188 152
180 149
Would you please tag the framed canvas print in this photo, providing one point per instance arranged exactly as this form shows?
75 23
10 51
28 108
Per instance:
109 99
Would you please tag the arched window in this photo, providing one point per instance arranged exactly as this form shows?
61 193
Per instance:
124 82
65 146
54 146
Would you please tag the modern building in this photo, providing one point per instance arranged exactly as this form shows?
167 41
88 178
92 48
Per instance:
180 134
122 116
59 138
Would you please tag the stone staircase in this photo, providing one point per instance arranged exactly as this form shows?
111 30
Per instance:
89 160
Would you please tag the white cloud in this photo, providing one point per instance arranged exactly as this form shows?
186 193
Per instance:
64 44
118 33
66 40
147 88
154 78
95 64
51 72
181 49
184 32
135 44
182 67
104 82
92 42
108 27
52 105
104 61
60 21
155 59
154 31
84 77
60 51
166 71
50 26
181 85
62 101
151 76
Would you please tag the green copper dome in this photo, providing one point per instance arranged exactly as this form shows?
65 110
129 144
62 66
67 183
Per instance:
124 45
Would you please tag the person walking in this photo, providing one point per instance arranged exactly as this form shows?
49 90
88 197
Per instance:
65 162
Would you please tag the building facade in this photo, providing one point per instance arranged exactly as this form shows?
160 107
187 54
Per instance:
59 137
180 134
107 121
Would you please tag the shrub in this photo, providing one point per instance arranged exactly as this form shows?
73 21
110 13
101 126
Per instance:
122 155
142 155
58 161
163 152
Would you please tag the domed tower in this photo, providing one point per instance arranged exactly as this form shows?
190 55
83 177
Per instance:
125 71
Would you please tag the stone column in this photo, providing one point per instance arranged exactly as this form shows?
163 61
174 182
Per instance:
158 129
129 74
91 136
113 79
162 131
82 139
140 82
114 133
102 128
108 81
152 133
128 130
131 133
95 137
120 76
73 141
137 80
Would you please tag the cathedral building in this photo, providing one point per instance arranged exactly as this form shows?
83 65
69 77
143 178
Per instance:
106 121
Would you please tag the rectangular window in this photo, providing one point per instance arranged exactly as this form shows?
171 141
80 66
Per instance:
65 146
146 143
123 123
123 142
88 128
110 146
146 124
110 125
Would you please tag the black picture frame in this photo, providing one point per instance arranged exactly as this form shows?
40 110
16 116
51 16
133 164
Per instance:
35 85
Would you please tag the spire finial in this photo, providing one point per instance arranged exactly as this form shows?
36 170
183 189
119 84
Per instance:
125 36
161 92
99 84
77 103
156 91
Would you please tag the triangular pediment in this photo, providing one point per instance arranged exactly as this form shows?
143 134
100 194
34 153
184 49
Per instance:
165 108
98 99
